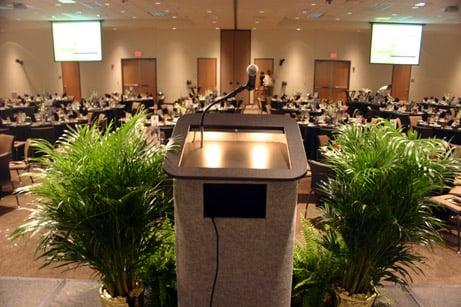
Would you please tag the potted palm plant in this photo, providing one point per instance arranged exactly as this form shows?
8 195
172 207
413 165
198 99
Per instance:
377 205
99 201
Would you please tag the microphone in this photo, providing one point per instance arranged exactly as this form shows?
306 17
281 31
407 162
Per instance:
252 71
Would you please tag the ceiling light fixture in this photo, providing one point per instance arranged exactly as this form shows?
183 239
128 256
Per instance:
209 11
174 17
67 1
134 17
337 19
174 28
298 29
261 12
107 4
349 13
257 21
420 4
314 4
122 11
158 3
254 29
218 28
297 18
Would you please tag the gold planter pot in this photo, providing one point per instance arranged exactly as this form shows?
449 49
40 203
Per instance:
344 299
120 301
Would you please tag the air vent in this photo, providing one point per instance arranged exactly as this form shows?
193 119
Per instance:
315 15
157 13
378 7
452 9
19 6
92 5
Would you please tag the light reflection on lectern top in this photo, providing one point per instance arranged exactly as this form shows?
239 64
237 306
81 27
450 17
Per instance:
236 149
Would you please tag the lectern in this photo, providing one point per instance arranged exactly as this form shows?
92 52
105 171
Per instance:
235 199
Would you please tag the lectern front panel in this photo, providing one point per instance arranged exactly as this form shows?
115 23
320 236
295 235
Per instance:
238 200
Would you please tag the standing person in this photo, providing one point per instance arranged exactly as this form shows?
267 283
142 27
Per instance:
268 83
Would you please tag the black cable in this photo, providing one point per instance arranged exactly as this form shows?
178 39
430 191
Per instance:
217 262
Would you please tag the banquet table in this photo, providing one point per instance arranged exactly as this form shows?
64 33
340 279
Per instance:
113 114
310 133
452 135
147 102
439 105
6 112
23 131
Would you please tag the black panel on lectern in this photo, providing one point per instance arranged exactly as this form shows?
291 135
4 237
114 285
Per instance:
234 200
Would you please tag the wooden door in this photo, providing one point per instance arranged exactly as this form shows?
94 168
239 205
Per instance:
264 64
71 79
227 61
140 76
235 58
242 58
206 74
340 79
331 79
401 78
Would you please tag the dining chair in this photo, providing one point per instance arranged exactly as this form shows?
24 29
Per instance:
414 119
23 165
320 172
6 143
5 175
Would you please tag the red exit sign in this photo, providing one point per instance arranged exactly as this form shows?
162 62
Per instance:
333 55
138 54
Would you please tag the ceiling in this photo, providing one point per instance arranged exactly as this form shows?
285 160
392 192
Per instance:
219 14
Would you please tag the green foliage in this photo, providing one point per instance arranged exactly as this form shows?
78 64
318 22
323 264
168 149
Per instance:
378 201
315 269
159 271
99 201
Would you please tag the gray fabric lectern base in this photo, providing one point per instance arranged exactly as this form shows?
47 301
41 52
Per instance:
255 255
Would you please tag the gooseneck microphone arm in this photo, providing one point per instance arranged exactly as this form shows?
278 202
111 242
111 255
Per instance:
250 85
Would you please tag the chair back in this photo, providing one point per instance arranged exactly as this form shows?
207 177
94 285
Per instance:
5 176
414 120
6 143
320 172
27 150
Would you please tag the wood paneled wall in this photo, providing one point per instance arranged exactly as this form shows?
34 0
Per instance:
206 74
71 79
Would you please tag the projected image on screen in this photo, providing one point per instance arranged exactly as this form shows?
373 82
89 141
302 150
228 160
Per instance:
395 43
77 41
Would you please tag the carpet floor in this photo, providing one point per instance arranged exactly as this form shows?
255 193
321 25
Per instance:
17 258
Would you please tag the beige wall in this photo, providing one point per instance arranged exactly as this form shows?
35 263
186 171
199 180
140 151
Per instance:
177 52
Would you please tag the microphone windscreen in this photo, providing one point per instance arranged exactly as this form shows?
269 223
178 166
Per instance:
252 70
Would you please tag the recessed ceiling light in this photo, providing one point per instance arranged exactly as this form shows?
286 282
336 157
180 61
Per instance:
209 11
107 3
257 21
261 12
174 17
214 21
298 29
67 1
158 3
134 17
98 15
337 19
254 29
115 29
58 4
297 17
304 12
349 13
420 4
174 28
167 11
122 11
217 28
314 4
415 7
